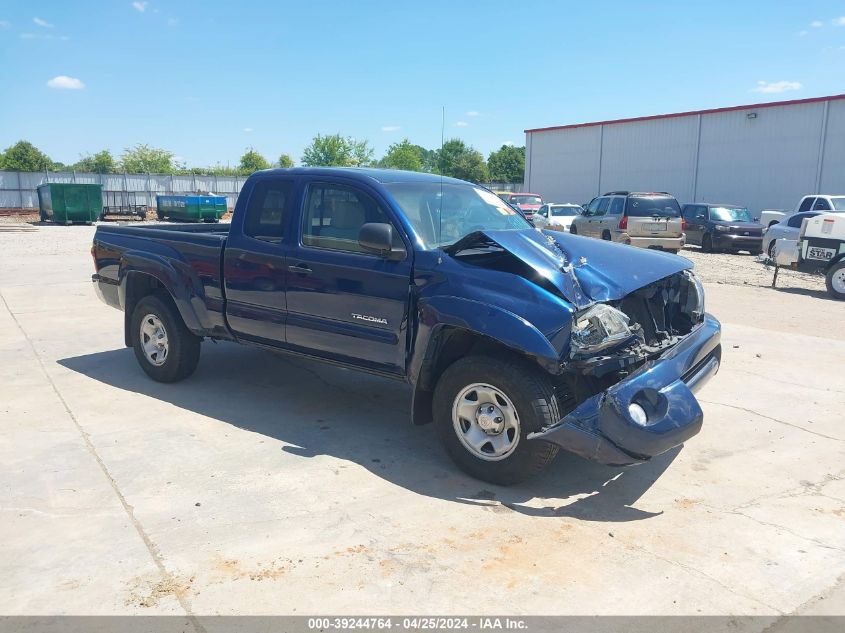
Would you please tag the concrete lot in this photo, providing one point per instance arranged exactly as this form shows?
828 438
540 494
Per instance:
270 485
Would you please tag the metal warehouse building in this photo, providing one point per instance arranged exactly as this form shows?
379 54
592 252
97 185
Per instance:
761 156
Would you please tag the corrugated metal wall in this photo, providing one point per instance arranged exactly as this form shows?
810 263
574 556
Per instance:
17 189
765 161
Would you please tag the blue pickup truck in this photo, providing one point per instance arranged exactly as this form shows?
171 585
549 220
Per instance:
516 342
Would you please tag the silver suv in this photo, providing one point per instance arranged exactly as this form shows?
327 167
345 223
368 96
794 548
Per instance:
645 219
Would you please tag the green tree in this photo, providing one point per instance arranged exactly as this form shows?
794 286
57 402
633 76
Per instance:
403 155
507 164
24 156
285 161
253 161
143 159
334 150
100 163
458 160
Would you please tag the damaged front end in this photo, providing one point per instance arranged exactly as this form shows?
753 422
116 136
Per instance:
638 345
636 363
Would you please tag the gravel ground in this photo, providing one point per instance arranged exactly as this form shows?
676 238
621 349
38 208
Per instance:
746 270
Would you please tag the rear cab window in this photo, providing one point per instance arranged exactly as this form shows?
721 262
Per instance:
269 209
642 206
806 203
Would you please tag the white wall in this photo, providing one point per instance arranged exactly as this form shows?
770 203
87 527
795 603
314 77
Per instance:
563 165
768 161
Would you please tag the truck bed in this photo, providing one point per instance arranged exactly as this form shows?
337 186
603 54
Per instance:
189 254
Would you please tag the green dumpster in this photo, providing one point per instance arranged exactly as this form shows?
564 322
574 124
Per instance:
66 203
194 208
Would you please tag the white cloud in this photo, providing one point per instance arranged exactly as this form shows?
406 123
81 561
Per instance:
840 21
776 87
508 143
42 23
247 130
461 124
390 128
172 21
473 113
801 33
5 25
817 24
140 6
63 82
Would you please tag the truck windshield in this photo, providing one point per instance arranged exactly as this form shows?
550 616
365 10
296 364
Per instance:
730 214
444 213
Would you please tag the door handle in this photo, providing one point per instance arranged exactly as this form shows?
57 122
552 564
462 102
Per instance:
300 269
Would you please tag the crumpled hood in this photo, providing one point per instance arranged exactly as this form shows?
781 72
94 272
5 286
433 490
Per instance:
602 271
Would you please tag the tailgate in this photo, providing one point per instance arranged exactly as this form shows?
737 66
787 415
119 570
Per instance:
654 226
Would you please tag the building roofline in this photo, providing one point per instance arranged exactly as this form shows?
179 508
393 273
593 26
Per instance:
654 117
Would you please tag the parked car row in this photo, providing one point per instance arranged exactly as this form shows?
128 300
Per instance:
656 220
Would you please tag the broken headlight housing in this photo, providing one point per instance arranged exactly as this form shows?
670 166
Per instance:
695 297
599 327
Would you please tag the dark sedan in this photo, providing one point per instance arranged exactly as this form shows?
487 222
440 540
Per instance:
722 227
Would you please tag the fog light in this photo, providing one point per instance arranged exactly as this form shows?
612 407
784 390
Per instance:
638 413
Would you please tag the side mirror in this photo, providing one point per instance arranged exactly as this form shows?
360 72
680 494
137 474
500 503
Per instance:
377 238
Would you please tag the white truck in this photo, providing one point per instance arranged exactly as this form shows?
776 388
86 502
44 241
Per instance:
814 202
820 248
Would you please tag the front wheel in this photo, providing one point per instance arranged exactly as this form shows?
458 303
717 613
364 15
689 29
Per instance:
835 281
484 409
164 347
707 244
573 229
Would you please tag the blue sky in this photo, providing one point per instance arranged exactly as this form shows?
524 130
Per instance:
208 79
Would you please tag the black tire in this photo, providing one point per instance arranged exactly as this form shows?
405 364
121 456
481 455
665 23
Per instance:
771 251
573 229
836 269
707 244
756 252
534 399
606 236
674 251
183 349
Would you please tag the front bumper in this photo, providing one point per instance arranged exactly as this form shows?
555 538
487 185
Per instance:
601 428
667 243
729 241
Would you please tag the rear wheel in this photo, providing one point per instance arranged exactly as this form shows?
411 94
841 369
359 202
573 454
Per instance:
165 348
484 409
606 236
835 281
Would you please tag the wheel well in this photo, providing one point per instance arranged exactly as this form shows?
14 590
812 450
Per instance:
449 345
835 262
138 286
